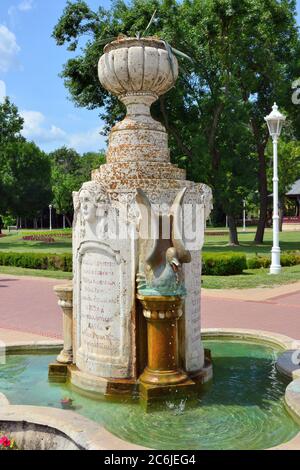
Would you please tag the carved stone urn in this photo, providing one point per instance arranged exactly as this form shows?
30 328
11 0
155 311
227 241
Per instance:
138 71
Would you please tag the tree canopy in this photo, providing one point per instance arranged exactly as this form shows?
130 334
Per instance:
245 56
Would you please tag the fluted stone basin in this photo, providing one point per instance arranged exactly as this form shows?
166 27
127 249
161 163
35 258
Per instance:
137 65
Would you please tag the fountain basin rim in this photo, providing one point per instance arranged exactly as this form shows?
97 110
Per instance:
24 347
94 436
258 336
150 41
85 433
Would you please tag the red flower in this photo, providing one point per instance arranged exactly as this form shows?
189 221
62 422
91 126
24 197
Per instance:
4 441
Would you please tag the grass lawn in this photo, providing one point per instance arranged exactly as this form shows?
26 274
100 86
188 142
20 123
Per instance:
34 272
289 241
252 278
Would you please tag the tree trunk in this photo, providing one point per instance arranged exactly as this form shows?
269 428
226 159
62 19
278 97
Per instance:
68 220
233 235
281 213
263 199
1 224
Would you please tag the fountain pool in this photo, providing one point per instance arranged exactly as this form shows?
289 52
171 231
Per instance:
242 408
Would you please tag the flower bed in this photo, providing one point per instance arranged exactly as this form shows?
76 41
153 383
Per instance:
6 443
39 238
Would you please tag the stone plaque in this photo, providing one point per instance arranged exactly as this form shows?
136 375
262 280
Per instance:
194 356
100 304
103 338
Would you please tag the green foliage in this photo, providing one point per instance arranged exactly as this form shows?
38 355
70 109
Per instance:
245 55
288 165
44 261
8 220
257 262
223 264
11 123
287 259
25 178
68 171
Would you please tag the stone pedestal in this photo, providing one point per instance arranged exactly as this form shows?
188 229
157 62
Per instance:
65 296
162 315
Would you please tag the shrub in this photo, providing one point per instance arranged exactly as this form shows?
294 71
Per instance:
287 259
54 262
257 262
223 264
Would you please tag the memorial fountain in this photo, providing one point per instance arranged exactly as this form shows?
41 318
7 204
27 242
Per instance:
131 317
137 238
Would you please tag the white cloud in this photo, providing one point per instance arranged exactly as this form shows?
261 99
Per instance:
25 5
2 91
35 128
9 49
49 136
87 141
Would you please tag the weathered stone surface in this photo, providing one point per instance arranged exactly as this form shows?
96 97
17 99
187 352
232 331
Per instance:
36 427
288 362
65 301
106 222
104 281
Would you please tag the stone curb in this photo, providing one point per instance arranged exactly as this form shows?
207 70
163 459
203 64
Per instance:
85 433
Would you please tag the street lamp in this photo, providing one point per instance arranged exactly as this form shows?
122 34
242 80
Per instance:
50 216
275 122
244 215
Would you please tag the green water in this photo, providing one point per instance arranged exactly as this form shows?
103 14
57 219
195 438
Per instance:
242 408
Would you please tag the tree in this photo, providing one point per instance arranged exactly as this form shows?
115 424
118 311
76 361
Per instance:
88 162
65 178
11 125
25 171
244 56
288 169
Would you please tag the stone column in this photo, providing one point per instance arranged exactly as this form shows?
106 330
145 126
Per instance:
65 301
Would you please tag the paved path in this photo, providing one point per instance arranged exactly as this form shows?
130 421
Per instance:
29 305
279 314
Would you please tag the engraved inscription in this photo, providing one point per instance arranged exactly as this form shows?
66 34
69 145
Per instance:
100 305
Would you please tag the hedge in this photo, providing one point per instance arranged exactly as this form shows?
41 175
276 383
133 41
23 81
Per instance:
223 264
53 262
286 258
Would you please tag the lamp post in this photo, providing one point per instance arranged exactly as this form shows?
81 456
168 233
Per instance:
244 215
275 122
50 216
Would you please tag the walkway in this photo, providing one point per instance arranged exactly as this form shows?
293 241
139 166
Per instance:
29 310
29 305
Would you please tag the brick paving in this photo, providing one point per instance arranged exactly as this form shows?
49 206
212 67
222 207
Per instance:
29 305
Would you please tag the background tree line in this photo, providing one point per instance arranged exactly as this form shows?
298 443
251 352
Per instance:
31 179
245 55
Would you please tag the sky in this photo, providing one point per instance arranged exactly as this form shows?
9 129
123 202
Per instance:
30 63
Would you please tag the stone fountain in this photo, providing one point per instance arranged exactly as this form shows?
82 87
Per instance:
137 238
